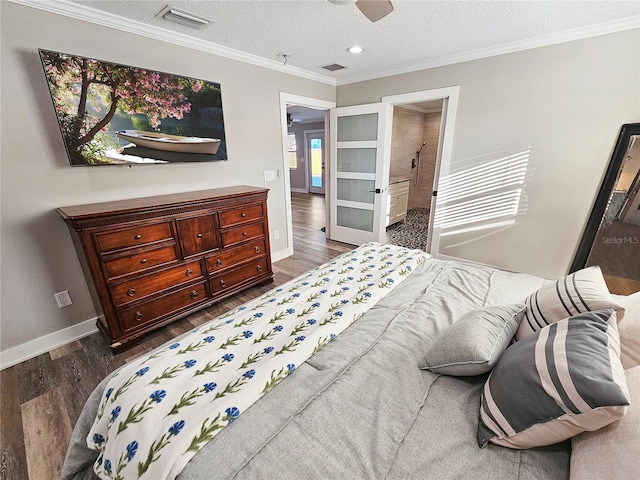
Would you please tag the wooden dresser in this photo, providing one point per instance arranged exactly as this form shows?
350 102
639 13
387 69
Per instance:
149 261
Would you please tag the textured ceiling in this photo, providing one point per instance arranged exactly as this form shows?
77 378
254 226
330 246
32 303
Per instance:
416 34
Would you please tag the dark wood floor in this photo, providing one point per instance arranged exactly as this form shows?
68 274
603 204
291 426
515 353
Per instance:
42 398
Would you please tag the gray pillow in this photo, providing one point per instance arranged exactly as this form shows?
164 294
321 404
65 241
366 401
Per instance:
565 379
474 343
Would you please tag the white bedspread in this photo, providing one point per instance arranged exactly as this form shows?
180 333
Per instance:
169 404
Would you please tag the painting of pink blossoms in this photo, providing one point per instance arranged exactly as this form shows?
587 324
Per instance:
112 114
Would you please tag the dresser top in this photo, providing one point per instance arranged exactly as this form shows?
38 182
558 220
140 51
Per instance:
155 202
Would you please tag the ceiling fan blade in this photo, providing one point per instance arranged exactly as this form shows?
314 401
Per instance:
374 10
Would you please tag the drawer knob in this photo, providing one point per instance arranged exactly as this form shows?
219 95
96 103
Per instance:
194 294
219 262
256 249
138 237
131 292
189 272
244 234
243 214
259 268
138 316
199 235
143 261
222 284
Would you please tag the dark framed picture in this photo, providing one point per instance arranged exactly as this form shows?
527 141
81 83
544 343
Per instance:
112 114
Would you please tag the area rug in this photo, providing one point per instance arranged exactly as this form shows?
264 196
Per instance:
412 233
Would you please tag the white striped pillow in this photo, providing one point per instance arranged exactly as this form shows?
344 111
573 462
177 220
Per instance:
579 292
565 379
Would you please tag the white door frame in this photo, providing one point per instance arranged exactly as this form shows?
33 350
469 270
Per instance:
292 99
449 94
445 147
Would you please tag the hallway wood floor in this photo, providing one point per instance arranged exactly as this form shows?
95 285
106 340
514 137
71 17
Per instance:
41 398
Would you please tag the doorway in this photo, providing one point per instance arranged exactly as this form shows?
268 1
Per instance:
449 98
415 143
299 110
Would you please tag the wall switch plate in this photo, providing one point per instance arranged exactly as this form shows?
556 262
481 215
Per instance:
63 299
269 175
276 234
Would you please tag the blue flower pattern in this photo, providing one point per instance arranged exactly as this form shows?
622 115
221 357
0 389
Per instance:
289 323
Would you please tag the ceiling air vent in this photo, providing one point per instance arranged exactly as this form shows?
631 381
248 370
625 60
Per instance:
332 67
182 17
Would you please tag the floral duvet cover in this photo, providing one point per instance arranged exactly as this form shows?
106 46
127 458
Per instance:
157 412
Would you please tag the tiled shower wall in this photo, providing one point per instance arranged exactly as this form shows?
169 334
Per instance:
410 129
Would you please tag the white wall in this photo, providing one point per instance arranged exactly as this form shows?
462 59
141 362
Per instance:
567 102
38 258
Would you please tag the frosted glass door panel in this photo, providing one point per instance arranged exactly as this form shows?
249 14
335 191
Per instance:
356 190
355 218
361 160
359 173
356 128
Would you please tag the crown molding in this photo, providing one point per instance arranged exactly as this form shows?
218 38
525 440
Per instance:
81 12
88 14
604 28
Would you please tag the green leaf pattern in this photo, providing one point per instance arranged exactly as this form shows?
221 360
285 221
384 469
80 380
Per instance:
166 405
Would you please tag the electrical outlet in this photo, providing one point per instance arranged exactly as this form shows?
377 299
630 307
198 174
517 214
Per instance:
63 299
276 234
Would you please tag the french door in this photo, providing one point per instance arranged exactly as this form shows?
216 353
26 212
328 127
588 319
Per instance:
360 150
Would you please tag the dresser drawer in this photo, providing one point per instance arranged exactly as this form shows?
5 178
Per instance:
240 254
197 234
146 285
133 237
231 278
240 215
241 234
140 261
142 315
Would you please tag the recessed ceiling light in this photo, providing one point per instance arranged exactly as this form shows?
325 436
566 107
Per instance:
355 49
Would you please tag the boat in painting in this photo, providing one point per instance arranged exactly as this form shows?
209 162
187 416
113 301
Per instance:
170 143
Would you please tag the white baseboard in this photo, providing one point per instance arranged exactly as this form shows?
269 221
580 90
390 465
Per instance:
43 344
299 190
280 254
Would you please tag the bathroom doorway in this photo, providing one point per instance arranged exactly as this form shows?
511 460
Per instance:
414 151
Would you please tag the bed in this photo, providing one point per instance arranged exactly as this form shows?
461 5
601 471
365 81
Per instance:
364 404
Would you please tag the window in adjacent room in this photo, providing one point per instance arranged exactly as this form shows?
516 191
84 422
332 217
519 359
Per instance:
293 151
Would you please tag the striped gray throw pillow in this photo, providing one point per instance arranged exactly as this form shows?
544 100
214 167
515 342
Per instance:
579 292
564 379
